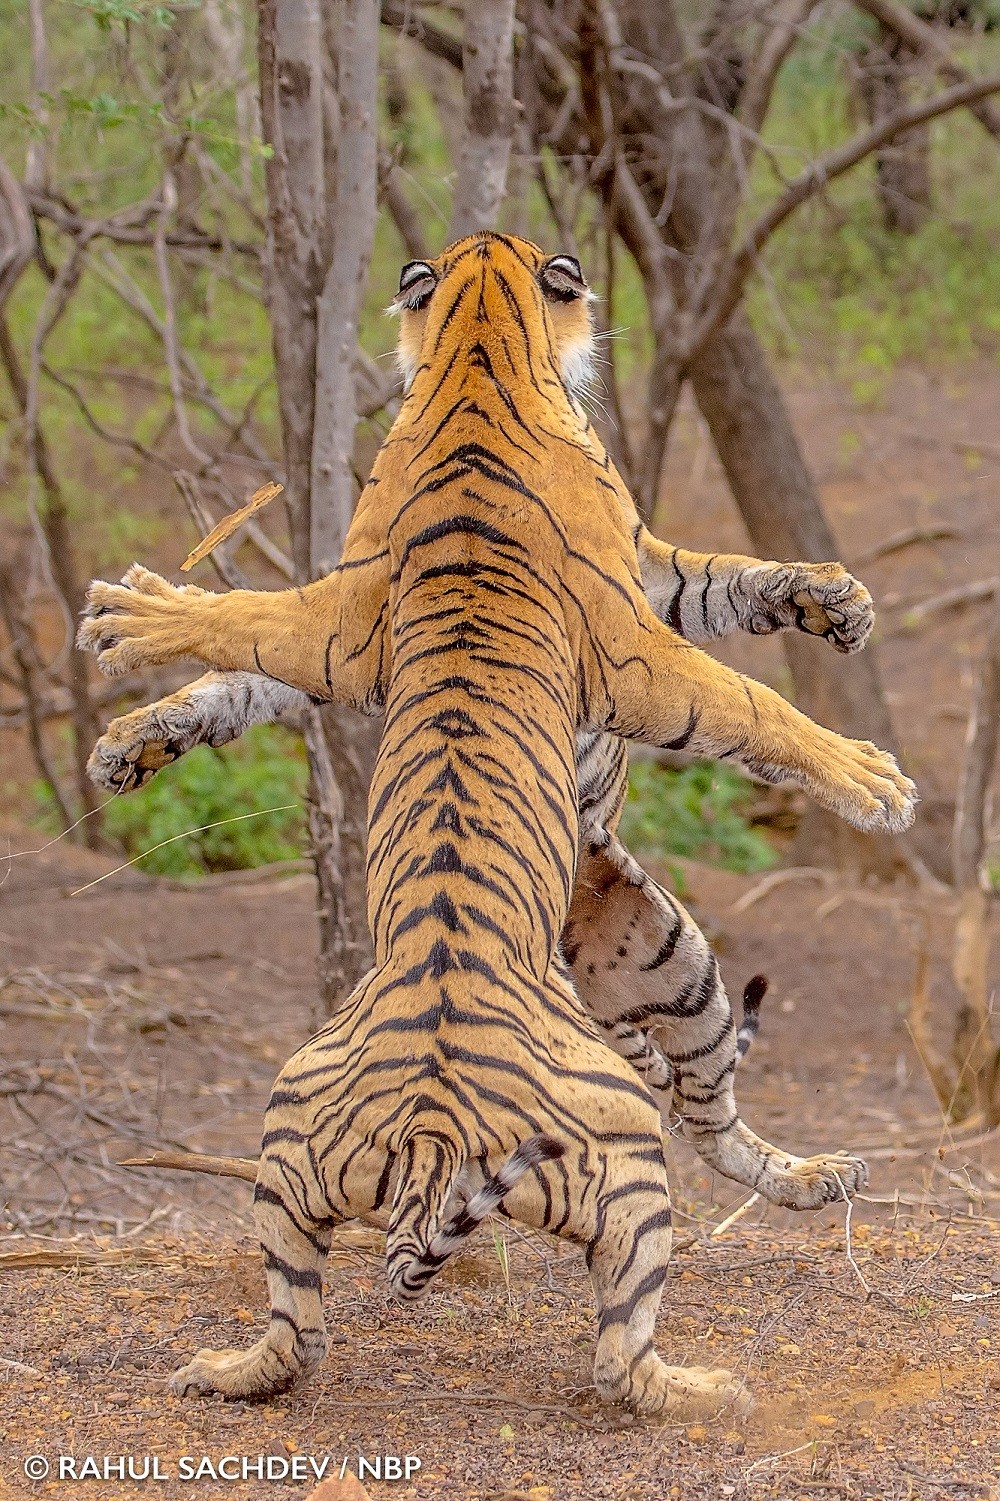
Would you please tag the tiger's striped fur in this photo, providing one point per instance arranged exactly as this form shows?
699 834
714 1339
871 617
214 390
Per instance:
493 608
622 926
705 597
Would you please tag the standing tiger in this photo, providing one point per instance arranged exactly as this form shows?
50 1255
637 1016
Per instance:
638 961
490 601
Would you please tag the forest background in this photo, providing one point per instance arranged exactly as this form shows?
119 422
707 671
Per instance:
203 209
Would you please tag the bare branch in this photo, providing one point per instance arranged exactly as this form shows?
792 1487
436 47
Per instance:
403 16
926 40
401 210
131 227
784 31
817 175
222 559
111 271
170 341
117 440
952 599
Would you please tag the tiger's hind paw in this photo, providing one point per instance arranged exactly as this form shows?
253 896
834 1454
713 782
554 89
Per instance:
681 1393
246 1374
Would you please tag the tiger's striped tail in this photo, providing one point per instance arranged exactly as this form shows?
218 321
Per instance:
754 992
409 1275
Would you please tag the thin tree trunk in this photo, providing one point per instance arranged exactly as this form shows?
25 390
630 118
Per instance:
903 168
25 652
774 491
489 115
353 209
55 524
290 53
321 185
975 1053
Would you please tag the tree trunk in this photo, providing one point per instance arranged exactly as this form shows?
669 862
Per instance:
489 115
69 586
353 199
903 169
24 650
974 1052
321 186
763 462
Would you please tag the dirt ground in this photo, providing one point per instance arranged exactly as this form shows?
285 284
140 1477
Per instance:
128 1024
138 1015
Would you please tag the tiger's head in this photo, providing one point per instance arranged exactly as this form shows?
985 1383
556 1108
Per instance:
493 280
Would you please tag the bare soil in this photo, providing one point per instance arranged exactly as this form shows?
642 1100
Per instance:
138 1015
145 1015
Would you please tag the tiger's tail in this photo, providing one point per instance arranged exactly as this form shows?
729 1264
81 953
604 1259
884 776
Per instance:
411 1260
753 994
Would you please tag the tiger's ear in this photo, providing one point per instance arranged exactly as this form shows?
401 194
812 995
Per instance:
417 281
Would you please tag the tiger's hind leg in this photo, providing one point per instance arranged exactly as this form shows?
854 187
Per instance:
627 1255
296 1215
640 963
295 1224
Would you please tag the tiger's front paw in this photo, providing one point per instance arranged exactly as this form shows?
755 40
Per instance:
136 746
862 784
137 623
811 1182
823 599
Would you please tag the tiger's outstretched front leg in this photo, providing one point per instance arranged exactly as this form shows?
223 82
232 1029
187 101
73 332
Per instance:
326 639
707 595
656 687
213 710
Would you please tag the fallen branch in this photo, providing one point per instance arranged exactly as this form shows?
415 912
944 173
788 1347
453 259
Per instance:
952 599
198 1162
767 884
737 1214
907 538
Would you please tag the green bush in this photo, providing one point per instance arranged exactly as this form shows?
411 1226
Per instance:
700 812
264 770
